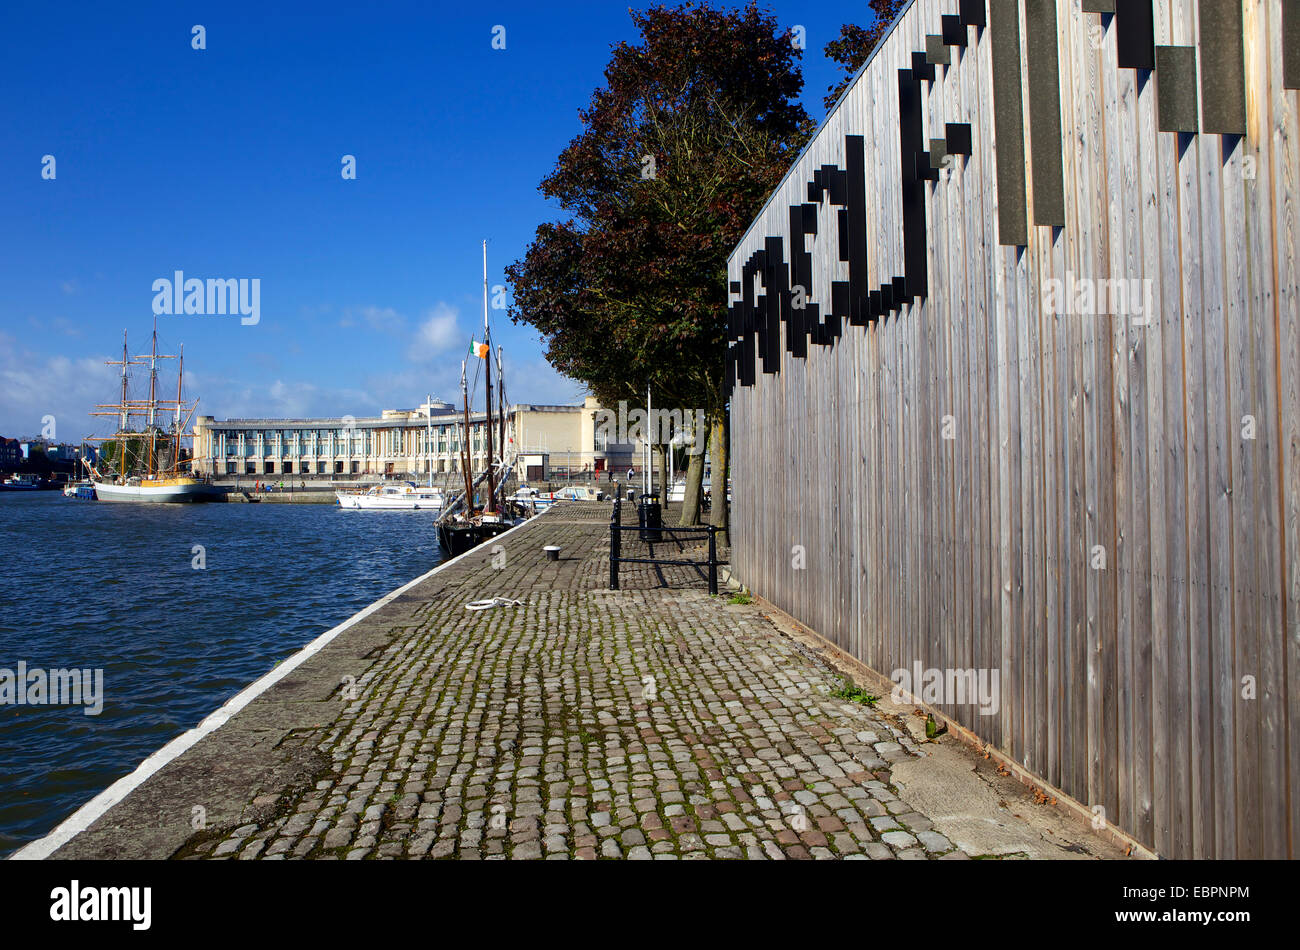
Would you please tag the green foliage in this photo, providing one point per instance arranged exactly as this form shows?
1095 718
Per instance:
695 126
854 694
740 598
854 44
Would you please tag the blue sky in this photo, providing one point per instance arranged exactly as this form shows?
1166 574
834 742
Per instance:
226 163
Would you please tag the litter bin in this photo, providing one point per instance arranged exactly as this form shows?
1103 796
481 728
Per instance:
650 520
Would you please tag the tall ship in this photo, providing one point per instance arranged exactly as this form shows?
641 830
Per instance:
145 459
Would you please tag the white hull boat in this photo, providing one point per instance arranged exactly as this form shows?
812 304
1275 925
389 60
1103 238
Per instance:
393 498
153 490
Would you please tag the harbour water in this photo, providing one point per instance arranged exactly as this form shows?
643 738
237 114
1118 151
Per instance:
180 606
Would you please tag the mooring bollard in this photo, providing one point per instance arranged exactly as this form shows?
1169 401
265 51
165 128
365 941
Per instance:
552 552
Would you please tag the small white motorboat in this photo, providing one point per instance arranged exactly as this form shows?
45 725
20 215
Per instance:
406 497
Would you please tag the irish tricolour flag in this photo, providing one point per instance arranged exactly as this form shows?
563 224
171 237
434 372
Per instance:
480 350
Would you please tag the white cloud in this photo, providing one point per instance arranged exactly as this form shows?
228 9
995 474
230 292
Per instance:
438 333
281 399
34 386
384 319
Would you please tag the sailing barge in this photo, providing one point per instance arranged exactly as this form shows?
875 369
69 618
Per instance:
462 526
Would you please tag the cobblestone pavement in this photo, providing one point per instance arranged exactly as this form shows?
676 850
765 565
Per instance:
655 722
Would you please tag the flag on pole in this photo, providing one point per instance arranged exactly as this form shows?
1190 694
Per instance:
480 350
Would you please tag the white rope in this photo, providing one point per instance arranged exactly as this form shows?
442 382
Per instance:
494 602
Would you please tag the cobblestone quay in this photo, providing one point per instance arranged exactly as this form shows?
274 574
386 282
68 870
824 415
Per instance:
655 722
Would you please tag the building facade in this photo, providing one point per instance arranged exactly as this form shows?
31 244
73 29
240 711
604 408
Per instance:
404 443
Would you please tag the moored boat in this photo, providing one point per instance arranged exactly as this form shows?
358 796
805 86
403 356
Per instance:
407 497
21 483
159 490
83 490
143 462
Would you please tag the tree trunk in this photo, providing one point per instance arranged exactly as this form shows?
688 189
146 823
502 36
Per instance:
694 481
718 488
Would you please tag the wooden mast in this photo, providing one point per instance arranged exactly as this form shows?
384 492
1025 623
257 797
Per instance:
501 409
124 423
180 374
464 446
153 398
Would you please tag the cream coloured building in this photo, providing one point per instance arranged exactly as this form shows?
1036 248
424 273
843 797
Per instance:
406 443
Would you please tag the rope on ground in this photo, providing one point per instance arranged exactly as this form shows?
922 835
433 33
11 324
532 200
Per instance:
494 602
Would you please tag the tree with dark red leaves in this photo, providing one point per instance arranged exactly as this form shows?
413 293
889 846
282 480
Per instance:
696 125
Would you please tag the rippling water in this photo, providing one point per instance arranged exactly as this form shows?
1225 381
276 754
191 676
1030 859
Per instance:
111 586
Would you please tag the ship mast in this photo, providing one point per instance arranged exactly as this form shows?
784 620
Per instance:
501 409
180 374
153 396
124 420
490 507
464 445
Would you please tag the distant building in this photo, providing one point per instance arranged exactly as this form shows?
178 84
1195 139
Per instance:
11 452
397 443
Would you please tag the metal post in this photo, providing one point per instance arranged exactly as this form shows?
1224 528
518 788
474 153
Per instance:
614 551
713 559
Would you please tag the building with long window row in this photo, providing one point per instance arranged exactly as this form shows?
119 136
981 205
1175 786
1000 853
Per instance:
405 443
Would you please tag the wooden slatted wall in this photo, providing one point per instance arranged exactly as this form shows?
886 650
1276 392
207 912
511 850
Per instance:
1162 685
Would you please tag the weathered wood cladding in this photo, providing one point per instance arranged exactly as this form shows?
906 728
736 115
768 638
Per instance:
959 456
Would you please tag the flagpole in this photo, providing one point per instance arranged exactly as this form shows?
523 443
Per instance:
490 507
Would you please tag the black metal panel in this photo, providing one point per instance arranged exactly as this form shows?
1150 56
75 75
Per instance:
837 183
778 301
953 29
842 229
1223 68
901 291
1008 122
926 170
873 303
957 137
840 297
856 174
887 297
920 68
809 218
971 12
1291 44
800 276
1044 112
1176 88
756 314
911 147
936 50
1135 36
735 286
